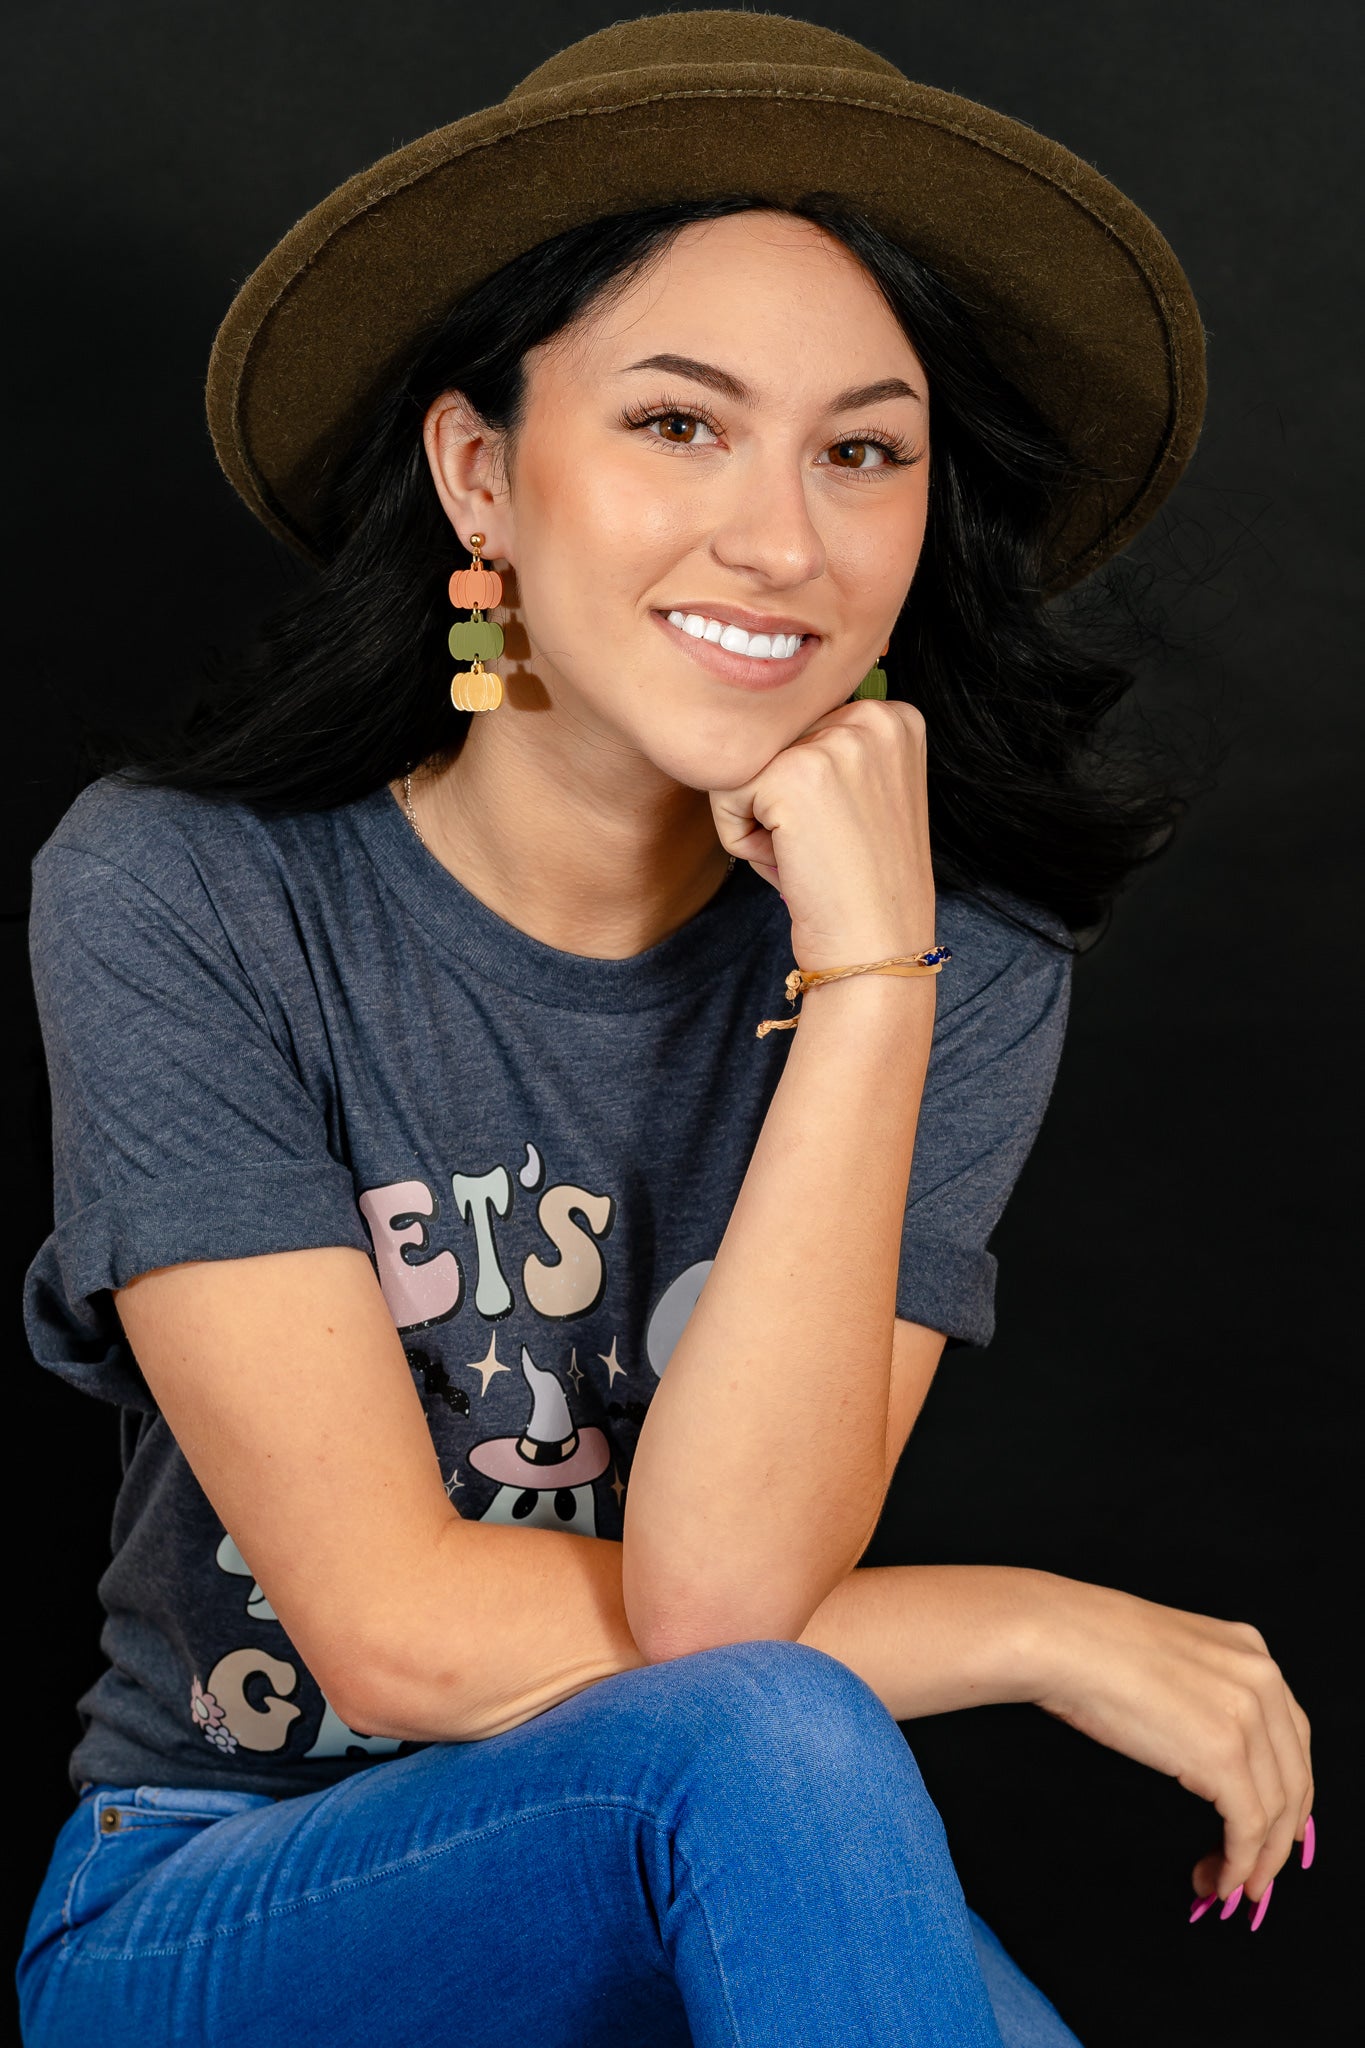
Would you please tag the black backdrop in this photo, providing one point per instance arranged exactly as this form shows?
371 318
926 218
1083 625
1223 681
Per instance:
1164 1406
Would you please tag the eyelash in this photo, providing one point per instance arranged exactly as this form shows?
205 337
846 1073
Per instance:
896 451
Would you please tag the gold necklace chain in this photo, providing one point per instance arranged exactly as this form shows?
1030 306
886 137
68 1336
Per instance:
412 820
407 805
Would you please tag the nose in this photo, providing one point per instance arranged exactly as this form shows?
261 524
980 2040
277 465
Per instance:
766 530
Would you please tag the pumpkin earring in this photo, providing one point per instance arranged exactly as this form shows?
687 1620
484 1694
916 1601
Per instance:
478 590
873 683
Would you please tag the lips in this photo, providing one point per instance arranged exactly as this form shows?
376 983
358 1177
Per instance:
741 671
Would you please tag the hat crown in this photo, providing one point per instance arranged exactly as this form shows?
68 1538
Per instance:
702 35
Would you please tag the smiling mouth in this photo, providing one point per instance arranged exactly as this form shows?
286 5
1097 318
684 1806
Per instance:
735 639
747 670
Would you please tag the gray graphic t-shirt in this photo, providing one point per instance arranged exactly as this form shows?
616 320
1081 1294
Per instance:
268 1035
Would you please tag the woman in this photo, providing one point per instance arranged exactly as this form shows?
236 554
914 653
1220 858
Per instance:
428 1156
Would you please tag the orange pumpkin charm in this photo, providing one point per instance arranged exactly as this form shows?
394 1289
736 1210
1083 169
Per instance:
476 589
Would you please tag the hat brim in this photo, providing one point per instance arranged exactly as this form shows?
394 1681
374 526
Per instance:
1081 301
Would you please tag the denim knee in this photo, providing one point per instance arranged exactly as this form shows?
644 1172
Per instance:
773 1705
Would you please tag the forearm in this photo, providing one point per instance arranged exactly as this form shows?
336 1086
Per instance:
495 1625
542 1616
932 1638
760 1469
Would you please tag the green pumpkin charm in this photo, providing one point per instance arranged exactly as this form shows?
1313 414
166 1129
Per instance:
471 637
873 684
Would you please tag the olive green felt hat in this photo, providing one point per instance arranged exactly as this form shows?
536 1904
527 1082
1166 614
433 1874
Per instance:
1081 301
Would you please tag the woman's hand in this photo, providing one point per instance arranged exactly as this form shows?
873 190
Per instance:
838 822
1201 1700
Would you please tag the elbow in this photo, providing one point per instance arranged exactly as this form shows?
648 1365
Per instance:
663 1633
374 1690
679 1619
713 1633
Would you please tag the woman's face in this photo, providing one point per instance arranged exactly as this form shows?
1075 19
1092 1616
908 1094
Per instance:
740 437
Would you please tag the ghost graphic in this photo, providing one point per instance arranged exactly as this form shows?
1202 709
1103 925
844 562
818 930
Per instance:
545 1474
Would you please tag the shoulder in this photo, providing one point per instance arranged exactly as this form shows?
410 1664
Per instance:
126 857
1003 944
193 854
1004 997
146 833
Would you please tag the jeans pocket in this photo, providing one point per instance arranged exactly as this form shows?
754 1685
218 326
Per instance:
131 1829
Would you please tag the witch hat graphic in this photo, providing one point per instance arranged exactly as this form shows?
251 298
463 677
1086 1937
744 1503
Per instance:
545 1475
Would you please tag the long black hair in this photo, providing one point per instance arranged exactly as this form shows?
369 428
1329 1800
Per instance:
346 686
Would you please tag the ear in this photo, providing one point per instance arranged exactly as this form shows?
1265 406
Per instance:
465 457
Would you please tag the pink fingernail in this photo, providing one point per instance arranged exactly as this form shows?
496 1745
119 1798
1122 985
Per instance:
1310 1843
1201 1907
1265 1901
1233 1903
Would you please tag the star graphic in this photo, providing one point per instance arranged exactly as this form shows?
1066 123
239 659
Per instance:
454 1484
617 1488
610 1362
488 1364
575 1370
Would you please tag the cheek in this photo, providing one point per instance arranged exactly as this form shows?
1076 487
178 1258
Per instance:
592 521
638 511
885 554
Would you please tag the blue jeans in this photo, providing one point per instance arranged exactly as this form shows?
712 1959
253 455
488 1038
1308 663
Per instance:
732 1848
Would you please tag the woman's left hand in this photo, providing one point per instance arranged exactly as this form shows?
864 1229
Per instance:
1199 1699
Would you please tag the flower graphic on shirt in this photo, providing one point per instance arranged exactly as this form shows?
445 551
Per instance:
209 1717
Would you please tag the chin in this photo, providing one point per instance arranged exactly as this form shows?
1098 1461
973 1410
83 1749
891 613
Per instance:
711 762
722 745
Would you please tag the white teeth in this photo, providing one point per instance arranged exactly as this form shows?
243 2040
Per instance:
758 646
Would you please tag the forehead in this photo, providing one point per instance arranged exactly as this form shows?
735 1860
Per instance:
766 294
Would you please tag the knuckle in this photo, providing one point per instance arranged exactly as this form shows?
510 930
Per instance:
1241 1707
1249 1636
1255 1821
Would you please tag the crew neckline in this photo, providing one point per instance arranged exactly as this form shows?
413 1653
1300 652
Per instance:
727 925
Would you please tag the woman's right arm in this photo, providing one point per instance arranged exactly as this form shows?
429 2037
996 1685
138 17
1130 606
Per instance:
284 1382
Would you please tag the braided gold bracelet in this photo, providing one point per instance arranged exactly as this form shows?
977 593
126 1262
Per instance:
799 980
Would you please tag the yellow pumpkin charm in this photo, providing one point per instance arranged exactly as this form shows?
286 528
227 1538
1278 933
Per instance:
476 689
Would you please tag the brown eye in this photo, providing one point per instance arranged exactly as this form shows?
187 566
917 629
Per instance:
859 461
682 420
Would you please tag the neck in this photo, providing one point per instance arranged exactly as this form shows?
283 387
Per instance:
584 848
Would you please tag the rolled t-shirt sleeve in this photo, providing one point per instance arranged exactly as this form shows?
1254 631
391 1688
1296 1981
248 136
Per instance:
991 1070
182 1128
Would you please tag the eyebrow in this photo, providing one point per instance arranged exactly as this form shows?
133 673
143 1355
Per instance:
733 388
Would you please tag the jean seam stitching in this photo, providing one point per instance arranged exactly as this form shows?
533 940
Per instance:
88 1953
700 1904
76 1874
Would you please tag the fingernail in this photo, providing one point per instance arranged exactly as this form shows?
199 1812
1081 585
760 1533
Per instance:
1310 1843
1265 1901
1233 1903
1201 1907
